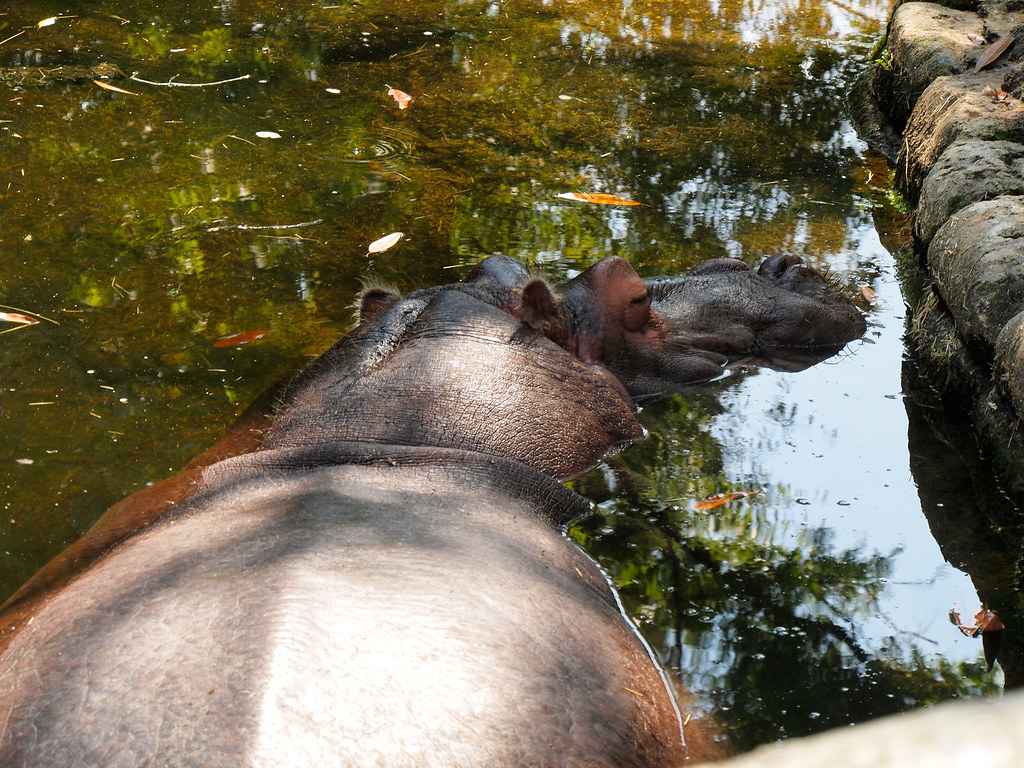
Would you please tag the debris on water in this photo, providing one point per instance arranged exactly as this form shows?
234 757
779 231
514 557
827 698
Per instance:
243 337
17 317
401 97
596 198
114 88
984 621
718 499
383 243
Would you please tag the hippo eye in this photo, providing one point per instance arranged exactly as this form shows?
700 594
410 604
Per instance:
643 298
638 313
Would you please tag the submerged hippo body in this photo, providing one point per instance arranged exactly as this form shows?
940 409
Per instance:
373 573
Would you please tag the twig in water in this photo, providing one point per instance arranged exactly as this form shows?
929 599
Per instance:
7 40
312 223
174 84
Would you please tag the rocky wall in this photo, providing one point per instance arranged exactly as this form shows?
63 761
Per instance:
945 102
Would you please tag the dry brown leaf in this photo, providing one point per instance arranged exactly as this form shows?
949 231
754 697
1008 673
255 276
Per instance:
868 293
243 337
17 317
401 97
114 88
993 52
985 621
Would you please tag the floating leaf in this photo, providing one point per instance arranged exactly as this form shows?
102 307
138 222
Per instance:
718 499
49 21
234 339
993 52
383 243
114 88
17 317
868 293
401 97
984 621
598 198
268 135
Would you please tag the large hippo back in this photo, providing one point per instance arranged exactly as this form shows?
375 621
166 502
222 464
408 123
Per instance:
343 605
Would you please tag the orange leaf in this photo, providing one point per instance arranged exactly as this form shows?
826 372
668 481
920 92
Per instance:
718 499
597 198
986 621
868 293
243 337
993 52
401 97
17 317
114 88
383 243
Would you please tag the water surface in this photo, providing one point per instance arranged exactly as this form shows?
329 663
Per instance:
148 225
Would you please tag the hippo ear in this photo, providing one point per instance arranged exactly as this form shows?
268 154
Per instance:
540 307
373 301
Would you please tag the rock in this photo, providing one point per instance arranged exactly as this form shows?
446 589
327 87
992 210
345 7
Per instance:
967 172
977 261
946 736
1009 363
927 41
951 109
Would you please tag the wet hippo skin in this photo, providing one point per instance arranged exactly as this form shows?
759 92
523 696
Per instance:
370 569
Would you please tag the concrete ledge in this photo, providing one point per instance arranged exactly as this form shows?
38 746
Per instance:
950 735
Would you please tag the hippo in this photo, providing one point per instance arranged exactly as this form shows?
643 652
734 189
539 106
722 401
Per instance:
370 568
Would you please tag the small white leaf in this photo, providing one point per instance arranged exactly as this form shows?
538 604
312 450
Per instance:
382 244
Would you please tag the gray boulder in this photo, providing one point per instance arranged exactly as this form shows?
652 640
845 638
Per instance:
969 171
977 261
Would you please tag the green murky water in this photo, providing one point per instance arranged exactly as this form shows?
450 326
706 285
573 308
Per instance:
146 225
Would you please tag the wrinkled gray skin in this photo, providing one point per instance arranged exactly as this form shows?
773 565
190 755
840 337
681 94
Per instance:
372 571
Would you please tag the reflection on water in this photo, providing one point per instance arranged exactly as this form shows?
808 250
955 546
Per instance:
150 224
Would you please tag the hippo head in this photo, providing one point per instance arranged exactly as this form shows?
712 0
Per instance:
663 335
454 367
